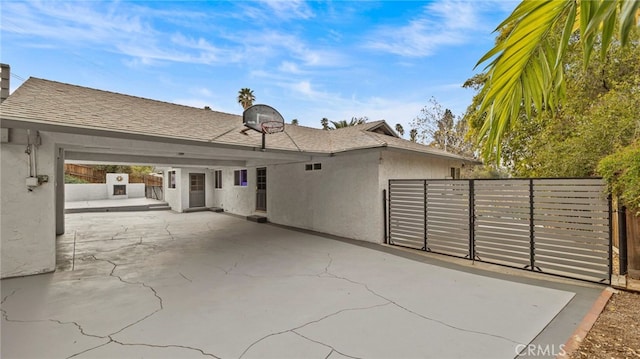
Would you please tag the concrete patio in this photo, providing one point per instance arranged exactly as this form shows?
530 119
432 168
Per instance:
167 285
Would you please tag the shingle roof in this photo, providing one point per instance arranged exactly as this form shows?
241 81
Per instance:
50 102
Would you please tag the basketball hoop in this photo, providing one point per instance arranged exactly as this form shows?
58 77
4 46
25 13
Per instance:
271 127
264 119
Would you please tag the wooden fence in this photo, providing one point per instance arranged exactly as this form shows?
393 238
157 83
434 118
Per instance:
92 175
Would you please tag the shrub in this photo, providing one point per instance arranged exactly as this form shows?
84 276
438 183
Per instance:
621 170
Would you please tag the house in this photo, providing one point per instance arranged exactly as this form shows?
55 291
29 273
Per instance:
325 181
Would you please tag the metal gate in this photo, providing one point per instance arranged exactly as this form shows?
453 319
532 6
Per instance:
555 226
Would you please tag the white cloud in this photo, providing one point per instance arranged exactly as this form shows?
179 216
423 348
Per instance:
290 9
441 23
289 67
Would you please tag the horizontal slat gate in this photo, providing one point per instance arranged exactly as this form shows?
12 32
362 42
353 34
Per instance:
572 240
502 222
556 226
447 204
406 213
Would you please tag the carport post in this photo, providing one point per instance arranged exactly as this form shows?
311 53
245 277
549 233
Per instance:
59 190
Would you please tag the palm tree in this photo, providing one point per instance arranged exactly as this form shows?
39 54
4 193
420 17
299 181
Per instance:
344 123
294 122
399 129
246 97
526 63
325 123
413 135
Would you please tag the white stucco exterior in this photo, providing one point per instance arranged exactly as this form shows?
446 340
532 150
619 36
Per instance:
28 232
343 198
341 194
98 191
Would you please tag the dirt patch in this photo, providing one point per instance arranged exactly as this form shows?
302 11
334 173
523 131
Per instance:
616 332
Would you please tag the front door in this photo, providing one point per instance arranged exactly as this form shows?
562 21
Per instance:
261 189
196 190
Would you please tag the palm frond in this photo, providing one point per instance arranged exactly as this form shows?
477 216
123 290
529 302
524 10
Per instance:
525 68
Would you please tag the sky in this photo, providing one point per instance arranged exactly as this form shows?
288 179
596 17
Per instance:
307 59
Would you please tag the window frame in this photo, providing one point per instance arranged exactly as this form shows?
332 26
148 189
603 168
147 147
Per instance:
217 179
171 181
240 178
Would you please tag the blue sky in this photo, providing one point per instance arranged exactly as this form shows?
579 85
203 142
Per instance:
334 59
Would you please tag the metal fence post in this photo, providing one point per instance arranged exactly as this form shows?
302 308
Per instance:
425 248
472 220
531 227
610 237
384 214
622 238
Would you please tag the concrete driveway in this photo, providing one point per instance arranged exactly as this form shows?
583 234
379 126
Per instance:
168 285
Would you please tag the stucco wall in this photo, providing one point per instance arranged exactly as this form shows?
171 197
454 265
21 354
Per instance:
178 198
173 196
238 199
342 198
84 191
98 191
28 233
135 190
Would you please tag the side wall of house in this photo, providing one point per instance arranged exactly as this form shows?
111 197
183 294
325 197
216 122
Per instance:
237 199
173 196
407 165
28 224
341 198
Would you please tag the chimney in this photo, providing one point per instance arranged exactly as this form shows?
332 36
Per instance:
5 74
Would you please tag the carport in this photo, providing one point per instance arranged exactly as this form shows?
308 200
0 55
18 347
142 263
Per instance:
165 284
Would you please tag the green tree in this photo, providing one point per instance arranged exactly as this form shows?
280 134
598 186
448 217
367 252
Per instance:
525 67
246 97
294 122
413 135
440 128
598 118
399 129
344 123
325 123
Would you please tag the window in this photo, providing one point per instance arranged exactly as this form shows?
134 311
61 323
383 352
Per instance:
172 179
455 173
313 166
240 178
217 179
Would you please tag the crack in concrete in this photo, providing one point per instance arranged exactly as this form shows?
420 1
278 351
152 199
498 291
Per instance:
109 337
166 228
73 259
185 277
119 233
155 293
326 345
293 330
166 346
88 350
424 316
328 355
4 299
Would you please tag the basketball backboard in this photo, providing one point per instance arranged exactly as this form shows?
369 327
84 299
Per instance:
256 116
